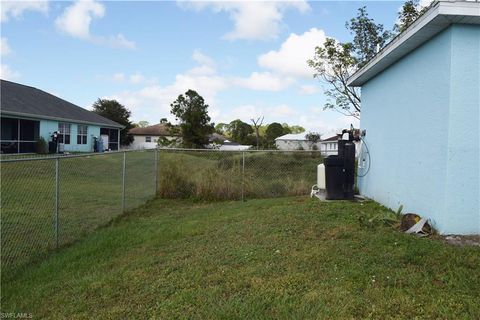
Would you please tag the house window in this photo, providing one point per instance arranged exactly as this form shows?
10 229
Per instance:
148 139
64 136
82 134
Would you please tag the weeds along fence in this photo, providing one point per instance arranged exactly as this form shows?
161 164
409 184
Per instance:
235 175
48 202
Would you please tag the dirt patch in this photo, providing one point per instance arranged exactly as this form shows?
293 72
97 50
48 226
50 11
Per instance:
462 240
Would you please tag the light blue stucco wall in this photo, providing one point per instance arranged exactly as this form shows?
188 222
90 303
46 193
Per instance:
422 121
47 127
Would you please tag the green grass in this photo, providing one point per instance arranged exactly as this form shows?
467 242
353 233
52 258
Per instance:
90 196
287 258
91 191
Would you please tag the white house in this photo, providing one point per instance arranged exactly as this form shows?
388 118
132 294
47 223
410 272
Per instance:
295 141
147 138
329 146
299 141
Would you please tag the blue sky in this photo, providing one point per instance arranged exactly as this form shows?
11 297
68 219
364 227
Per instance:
247 59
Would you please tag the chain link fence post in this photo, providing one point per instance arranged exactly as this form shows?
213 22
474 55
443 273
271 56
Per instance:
123 180
156 171
57 198
243 176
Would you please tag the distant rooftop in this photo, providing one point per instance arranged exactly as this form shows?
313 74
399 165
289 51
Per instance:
160 129
439 16
302 137
293 137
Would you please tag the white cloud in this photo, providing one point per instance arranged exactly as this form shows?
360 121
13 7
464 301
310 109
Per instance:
8 73
118 77
137 78
5 47
134 78
152 102
291 58
118 41
15 9
278 113
264 81
306 89
203 59
253 20
207 65
76 19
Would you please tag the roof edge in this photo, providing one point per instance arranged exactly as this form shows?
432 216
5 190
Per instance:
437 15
36 116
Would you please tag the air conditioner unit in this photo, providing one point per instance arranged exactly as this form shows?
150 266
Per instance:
321 176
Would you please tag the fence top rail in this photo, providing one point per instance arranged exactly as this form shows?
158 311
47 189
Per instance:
15 158
66 156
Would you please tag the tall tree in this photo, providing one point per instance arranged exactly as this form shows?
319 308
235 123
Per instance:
410 11
143 124
192 113
221 128
293 128
240 131
115 111
274 130
257 124
368 36
334 62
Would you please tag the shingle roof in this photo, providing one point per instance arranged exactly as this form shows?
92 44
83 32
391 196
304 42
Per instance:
18 99
293 137
334 138
160 129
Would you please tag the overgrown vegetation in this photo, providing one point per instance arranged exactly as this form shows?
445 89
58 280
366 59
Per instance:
284 258
219 176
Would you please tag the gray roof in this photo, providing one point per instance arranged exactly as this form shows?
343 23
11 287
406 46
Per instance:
20 100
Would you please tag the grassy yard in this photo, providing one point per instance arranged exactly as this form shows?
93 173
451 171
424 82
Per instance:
91 190
90 196
290 258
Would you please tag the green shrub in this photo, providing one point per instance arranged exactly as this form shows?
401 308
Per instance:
41 146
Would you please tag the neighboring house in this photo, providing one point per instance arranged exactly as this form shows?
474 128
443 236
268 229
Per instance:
28 113
220 142
147 138
298 141
295 141
329 146
420 110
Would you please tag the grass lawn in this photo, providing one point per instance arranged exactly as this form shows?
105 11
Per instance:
290 258
90 196
91 190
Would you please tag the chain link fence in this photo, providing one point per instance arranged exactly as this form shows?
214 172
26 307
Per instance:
236 175
49 202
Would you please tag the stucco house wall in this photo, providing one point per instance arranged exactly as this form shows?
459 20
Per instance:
421 117
47 127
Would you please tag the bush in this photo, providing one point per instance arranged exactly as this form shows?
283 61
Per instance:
41 146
